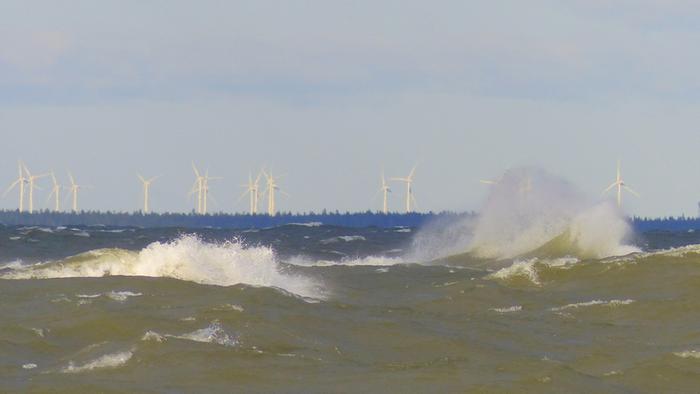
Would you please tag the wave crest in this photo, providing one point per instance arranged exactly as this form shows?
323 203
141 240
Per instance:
186 258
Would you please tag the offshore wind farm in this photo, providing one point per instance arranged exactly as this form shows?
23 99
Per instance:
349 196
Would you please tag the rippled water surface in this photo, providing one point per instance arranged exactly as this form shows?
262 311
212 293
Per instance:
313 308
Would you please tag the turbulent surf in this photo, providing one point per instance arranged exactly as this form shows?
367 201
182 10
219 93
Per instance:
546 290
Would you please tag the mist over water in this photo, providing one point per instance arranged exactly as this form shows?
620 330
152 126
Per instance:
528 209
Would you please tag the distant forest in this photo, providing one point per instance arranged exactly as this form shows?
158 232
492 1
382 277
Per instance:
243 221
221 220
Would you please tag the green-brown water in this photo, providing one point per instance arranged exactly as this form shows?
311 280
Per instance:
325 309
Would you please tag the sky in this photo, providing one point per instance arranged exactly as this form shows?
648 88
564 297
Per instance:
329 94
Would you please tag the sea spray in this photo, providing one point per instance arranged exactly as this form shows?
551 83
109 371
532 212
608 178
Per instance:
530 212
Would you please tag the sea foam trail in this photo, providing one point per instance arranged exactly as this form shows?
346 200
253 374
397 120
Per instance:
186 258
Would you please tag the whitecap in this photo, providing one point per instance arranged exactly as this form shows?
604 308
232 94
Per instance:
511 309
520 268
186 258
688 354
577 305
213 333
112 360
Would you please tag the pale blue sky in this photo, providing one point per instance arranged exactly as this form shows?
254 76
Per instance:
330 92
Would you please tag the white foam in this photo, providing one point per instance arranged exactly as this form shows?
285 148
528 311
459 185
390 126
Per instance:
377 261
112 360
577 305
688 354
345 238
519 268
122 296
152 336
511 309
29 366
309 224
214 333
186 258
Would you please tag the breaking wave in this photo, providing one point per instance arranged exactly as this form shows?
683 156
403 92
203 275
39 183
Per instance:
531 213
186 258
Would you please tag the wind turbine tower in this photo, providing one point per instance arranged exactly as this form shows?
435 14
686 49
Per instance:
409 188
198 188
74 188
31 180
201 187
253 189
146 191
272 187
56 193
205 188
20 181
385 190
620 184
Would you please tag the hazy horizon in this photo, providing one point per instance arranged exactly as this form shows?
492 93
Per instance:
329 94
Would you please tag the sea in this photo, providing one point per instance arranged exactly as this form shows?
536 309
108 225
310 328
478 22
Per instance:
542 292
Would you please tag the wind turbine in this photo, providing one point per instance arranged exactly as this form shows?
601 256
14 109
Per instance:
146 189
272 186
19 182
74 188
201 187
198 188
55 192
208 178
385 189
253 189
620 184
409 188
31 179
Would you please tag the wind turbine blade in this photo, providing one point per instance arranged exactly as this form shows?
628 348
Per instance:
413 171
29 174
487 182
141 178
629 189
245 193
12 186
53 177
399 179
284 193
609 187
72 180
196 171
154 178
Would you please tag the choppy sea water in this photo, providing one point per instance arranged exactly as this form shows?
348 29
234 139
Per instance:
307 308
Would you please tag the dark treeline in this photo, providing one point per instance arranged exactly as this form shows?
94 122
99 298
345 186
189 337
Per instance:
224 220
219 220
681 223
